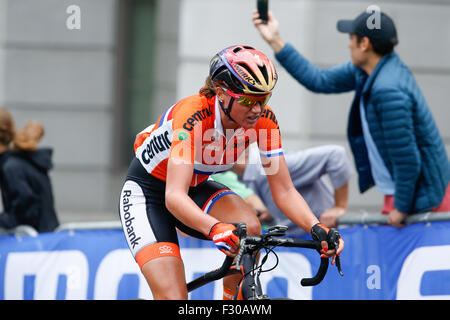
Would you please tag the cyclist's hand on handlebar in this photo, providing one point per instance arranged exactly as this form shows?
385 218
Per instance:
224 238
330 239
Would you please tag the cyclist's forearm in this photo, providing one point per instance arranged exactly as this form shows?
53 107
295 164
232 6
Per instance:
296 209
287 198
187 211
178 202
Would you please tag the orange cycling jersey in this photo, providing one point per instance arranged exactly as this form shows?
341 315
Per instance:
192 132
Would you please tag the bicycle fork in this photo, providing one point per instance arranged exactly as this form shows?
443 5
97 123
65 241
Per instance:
249 287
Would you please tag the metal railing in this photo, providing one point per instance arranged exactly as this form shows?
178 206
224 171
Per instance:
350 218
89 225
378 218
21 230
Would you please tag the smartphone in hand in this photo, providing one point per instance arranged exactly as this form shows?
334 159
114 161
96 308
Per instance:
263 8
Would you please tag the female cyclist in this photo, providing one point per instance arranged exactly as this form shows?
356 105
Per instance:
167 184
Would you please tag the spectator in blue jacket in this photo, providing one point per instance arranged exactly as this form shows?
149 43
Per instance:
394 139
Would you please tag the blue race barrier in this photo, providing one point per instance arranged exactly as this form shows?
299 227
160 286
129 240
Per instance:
379 262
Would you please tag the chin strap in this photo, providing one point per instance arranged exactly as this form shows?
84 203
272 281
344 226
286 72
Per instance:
227 111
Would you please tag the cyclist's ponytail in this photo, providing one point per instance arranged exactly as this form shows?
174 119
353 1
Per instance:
208 89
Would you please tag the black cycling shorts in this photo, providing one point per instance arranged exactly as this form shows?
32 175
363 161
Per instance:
149 227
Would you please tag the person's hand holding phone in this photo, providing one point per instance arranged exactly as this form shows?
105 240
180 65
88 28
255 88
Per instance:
269 30
263 8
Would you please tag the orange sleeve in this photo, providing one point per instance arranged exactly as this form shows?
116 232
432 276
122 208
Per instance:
269 136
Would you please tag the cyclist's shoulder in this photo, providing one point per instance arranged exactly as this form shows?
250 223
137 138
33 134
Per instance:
192 110
193 103
268 119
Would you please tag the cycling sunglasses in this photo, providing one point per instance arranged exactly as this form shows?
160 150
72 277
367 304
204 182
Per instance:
249 100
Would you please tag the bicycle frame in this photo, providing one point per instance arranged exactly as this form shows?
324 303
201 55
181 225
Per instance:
252 244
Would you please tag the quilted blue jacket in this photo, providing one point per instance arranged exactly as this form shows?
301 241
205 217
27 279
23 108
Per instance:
400 124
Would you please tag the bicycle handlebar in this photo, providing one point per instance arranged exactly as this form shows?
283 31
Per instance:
265 240
211 276
262 241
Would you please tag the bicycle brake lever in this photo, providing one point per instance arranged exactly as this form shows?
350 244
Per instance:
335 245
241 232
237 259
338 265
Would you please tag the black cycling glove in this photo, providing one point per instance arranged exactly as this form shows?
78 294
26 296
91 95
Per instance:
321 233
